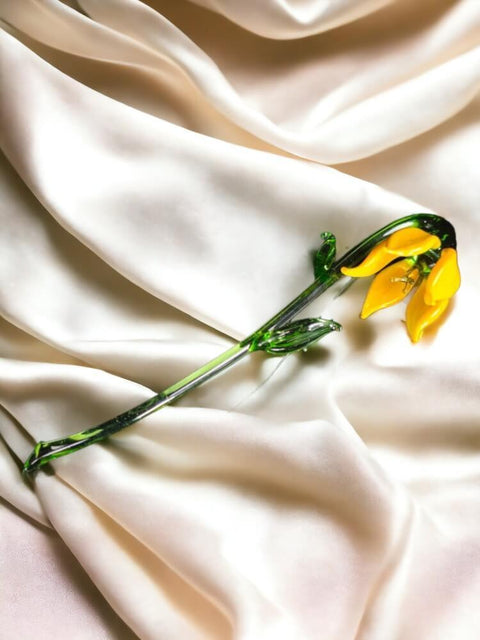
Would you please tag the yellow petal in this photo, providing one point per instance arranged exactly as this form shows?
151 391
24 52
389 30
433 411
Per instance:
411 242
444 279
421 315
405 242
378 258
390 286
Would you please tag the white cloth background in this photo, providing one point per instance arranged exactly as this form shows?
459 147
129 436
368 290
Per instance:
164 177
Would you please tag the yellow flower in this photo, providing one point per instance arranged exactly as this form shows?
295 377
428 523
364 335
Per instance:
394 282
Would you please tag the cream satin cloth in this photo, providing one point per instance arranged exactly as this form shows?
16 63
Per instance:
164 178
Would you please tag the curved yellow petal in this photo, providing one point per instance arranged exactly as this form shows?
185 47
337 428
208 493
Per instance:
378 258
444 279
405 242
421 315
411 242
390 286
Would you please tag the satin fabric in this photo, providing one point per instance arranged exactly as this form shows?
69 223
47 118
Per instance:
164 178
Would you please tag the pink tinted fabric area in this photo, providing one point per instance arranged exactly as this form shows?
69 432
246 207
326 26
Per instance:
167 166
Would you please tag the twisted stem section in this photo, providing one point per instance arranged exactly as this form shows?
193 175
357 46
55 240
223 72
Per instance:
276 336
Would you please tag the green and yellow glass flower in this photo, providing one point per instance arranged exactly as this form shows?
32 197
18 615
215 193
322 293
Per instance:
410 258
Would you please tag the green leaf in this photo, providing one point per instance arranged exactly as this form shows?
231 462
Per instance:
296 336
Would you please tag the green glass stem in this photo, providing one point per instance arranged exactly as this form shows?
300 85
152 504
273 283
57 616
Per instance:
327 273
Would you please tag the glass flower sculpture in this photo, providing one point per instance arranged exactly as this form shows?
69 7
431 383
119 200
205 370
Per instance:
417 251
413 260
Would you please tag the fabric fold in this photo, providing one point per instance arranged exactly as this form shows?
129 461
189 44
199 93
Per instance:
148 38
186 473
284 20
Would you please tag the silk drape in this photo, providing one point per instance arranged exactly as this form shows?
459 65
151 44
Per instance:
167 167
